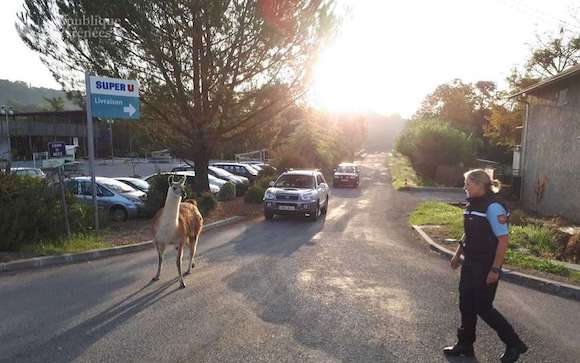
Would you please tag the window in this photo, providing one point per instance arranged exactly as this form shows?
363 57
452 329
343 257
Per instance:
320 179
295 181
104 192
86 188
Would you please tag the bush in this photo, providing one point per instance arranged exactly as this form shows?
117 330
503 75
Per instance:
32 211
430 143
268 172
255 194
539 240
227 192
206 203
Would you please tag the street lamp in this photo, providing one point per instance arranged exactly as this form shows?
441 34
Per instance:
7 111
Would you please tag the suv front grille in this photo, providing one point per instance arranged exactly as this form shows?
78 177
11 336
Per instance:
286 197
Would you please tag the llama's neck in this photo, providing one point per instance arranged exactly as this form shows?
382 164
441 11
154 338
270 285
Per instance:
171 209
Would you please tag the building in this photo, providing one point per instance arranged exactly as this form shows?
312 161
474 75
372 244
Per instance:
550 159
32 131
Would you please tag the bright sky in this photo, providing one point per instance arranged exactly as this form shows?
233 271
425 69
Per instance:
390 54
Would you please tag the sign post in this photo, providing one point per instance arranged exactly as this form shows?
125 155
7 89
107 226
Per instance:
91 142
107 98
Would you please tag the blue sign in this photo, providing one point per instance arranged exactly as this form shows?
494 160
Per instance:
114 98
56 149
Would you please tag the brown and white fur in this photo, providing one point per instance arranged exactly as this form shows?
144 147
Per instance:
177 221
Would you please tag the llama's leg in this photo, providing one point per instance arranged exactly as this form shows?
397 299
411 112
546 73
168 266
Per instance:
179 256
194 241
191 252
160 250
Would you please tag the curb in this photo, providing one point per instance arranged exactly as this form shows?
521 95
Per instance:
431 189
520 278
40 262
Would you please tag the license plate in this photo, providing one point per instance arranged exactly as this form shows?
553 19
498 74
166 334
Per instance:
286 207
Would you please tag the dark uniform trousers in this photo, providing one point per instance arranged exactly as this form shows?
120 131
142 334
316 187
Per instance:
475 295
476 299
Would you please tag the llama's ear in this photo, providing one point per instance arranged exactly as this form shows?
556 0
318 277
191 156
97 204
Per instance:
183 180
170 179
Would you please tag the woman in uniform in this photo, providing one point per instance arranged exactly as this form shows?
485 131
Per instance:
483 246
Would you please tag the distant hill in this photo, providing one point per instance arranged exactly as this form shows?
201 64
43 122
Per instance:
23 98
382 131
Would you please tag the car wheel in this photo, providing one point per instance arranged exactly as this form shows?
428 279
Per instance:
269 215
325 208
119 214
314 217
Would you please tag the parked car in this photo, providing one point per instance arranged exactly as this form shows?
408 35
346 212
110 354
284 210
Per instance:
34 172
255 166
239 169
240 182
183 168
301 192
121 200
346 174
215 184
136 183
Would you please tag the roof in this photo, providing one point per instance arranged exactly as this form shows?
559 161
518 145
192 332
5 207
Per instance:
566 74
301 172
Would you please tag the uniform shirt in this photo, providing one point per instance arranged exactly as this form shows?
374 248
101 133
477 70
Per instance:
493 212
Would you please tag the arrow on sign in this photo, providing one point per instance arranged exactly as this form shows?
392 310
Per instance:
129 109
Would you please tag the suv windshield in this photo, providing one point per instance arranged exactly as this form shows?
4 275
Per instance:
346 169
295 181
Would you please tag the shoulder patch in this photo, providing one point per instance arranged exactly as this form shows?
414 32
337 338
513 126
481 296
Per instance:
502 219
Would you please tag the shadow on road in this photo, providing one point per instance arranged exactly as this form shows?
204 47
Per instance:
73 342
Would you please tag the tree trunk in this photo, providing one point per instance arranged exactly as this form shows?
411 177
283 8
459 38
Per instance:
201 160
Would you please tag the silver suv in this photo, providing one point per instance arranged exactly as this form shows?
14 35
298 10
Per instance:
298 192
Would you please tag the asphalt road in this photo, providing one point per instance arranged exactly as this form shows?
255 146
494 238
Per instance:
357 286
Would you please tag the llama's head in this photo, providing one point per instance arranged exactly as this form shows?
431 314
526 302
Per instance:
176 188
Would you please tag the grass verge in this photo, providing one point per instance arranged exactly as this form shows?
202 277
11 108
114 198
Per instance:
439 213
401 171
77 243
528 244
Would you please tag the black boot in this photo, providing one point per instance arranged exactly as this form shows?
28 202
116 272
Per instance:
512 353
458 349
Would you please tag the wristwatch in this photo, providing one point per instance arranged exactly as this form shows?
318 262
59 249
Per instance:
496 269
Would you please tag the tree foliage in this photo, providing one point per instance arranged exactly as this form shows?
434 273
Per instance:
553 53
430 143
465 105
209 70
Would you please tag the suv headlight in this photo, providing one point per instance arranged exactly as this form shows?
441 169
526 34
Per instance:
308 196
269 195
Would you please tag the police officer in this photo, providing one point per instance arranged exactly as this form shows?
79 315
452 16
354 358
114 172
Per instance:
483 246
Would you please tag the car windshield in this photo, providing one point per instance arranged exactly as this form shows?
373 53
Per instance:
140 183
116 186
295 181
346 169
252 170
221 172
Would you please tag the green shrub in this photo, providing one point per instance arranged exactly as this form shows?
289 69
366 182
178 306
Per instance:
430 143
206 203
255 194
268 172
539 240
31 211
227 192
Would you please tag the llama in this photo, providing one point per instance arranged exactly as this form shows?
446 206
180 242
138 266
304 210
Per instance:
177 221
